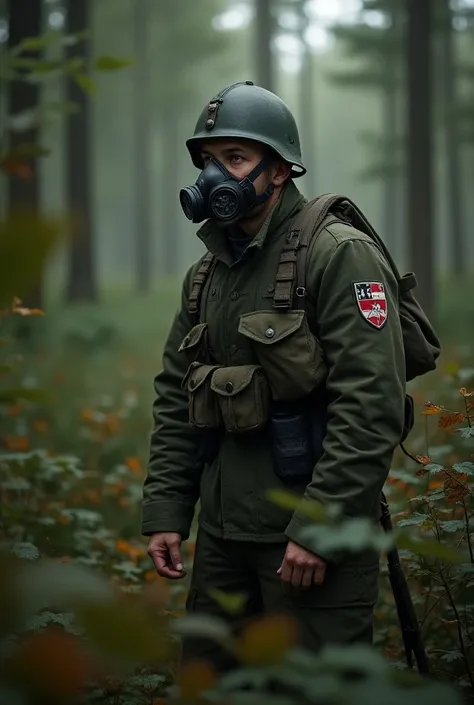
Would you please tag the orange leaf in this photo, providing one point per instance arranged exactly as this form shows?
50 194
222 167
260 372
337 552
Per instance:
450 420
23 311
423 459
14 410
194 678
266 640
431 409
134 465
54 662
17 444
40 426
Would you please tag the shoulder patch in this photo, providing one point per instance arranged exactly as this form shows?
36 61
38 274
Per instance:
372 302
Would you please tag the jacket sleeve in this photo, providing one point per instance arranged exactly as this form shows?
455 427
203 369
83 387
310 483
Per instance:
365 386
171 487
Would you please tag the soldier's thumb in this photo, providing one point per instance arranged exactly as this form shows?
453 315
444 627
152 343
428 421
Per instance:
175 555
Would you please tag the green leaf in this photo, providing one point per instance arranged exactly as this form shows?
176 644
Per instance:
121 630
47 583
430 549
233 603
148 681
10 396
288 500
352 535
451 656
85 82
415 520
35 43
64 619
111 63
208 626
452 525
434 468
26 550
26 240
466 432
464 468
5 368
75 38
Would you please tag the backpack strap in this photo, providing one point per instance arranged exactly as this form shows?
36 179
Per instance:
199 282
291 271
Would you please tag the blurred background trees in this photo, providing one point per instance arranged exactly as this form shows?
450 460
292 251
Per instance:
382 90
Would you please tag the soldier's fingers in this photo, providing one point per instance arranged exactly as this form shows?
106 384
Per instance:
319 573
297 576
163 567
307 579
286 572
175 555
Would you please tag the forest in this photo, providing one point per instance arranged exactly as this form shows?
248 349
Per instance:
97 100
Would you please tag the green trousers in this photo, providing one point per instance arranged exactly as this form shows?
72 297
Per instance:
340 611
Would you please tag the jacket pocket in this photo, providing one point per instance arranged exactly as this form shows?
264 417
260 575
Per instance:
243 395
203 406
195 344
289 353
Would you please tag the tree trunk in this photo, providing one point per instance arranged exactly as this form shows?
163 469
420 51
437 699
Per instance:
390 126
23 189
81 284
143 232
453 170
264 26
170 180
420 149
306 111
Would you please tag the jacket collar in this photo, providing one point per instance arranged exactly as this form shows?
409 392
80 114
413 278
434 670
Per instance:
288 205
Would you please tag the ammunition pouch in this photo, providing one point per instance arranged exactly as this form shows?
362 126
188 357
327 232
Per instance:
243 397
195 344
235 399
288 352
203 408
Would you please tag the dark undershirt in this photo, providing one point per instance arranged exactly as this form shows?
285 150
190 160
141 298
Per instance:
238 242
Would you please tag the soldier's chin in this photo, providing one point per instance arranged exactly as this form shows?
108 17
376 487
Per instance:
225 224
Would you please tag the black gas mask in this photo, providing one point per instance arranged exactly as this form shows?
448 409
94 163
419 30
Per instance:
220 196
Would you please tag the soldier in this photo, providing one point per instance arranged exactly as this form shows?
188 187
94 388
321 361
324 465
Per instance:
272 378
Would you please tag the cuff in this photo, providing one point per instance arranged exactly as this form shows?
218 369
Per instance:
159 516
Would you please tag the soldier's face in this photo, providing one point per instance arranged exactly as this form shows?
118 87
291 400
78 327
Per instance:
240 156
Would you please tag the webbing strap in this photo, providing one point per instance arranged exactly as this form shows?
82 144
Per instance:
308 225
199 282
291 266
286 272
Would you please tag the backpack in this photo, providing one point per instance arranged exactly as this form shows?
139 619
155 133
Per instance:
421 344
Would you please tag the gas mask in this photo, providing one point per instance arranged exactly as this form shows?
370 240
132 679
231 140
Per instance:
220 196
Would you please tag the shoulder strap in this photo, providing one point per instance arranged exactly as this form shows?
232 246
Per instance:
199 282
291 267
308 224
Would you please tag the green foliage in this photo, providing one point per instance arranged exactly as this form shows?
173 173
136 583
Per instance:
81 610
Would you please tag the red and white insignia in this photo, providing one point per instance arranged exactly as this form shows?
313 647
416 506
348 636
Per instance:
372 302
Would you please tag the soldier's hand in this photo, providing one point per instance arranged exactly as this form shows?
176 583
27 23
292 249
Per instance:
164 550
301 568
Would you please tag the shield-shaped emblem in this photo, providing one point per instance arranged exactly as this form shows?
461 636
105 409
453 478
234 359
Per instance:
372 302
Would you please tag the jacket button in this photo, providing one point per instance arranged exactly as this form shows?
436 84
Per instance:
269 333
229 387
234 295
233 349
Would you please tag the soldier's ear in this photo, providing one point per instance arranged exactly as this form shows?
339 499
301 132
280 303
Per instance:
281 172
